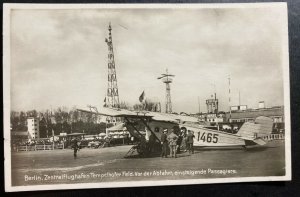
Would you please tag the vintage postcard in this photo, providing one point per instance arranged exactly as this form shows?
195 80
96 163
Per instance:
125 95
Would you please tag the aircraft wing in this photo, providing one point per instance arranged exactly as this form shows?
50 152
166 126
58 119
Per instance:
172 117
182 118
164 117
114 112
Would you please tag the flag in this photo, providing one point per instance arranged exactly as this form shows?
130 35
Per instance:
104 102
142 97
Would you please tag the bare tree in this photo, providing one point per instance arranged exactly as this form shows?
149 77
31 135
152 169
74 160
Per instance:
124 105
148 105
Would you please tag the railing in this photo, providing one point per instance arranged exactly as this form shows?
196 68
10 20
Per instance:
274 137
40 147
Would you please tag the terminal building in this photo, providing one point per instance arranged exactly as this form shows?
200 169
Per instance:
240 114
248 115
276 113
211 117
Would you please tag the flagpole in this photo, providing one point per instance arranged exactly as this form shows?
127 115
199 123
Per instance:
199 104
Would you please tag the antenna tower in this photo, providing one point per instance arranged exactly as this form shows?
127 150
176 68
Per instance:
112 97
167 79
229 99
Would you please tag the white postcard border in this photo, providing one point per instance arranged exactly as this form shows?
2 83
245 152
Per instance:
6 90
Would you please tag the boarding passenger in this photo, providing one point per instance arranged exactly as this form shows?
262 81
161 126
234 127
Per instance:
179 141
183 144
172 139
164 143
190 141
143 147
151 142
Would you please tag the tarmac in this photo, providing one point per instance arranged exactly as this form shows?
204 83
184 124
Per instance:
109 165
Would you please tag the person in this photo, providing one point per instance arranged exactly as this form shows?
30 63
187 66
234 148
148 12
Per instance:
183 143
179 141
127 138
164 143
190 142
75 147
172 139
151 142
107 141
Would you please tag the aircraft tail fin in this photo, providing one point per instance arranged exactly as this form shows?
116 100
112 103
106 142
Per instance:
262 126
259 141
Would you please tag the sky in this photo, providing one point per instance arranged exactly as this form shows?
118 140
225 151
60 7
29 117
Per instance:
59 57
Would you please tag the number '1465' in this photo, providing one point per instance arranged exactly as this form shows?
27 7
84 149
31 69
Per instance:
208 137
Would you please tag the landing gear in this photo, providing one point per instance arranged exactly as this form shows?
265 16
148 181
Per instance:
140 150
143 149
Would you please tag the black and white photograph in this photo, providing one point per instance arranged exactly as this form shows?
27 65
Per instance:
126 95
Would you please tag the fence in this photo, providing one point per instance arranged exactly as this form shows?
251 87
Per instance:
40 147
274 137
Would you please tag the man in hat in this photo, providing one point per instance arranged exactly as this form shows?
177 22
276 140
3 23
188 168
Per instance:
164 143
172 139
151 142
183 134
190 141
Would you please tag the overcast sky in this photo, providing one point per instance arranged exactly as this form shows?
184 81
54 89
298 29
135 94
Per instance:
59 57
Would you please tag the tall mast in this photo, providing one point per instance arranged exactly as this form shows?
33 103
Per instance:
239 98
112 97
166 78
229 99
199 105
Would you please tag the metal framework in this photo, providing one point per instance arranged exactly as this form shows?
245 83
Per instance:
112 96
167 79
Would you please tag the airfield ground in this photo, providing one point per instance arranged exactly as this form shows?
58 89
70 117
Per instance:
109 165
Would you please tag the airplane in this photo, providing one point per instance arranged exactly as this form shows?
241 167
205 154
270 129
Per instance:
250 133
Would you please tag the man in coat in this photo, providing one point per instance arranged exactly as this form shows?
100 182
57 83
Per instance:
151 143
164 143
172 139
190 141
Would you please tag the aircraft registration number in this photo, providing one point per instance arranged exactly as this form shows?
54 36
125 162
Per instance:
208 137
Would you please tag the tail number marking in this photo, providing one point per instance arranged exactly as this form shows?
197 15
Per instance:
208 137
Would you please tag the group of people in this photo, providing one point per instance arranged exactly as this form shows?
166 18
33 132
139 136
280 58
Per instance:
177 142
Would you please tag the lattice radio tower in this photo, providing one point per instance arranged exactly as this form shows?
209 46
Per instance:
167 79
112 97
